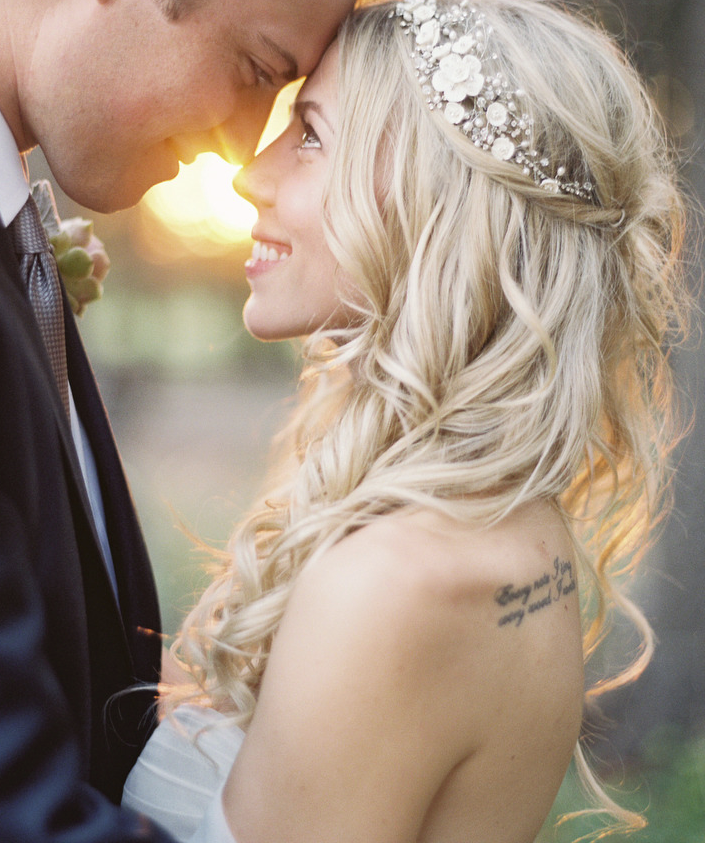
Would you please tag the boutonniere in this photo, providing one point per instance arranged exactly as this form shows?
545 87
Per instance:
80 256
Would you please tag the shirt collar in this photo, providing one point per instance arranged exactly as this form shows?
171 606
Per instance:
14 189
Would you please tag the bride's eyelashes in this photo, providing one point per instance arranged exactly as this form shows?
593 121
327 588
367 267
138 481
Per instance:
306 137
309 139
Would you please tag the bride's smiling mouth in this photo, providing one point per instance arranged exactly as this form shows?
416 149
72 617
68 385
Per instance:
265 255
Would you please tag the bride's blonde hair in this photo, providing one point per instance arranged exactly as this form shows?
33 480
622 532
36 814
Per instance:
511 343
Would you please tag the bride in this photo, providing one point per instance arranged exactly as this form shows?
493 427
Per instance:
472 219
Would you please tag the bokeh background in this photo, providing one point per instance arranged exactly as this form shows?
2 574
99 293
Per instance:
194 402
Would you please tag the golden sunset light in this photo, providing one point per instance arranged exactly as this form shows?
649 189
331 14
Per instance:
199 212
200 206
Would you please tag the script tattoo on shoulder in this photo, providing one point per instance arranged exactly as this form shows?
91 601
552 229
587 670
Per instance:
519 601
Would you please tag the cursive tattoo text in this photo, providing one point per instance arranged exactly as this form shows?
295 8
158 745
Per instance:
519 601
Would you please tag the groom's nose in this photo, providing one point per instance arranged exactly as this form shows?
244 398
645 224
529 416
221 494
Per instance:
236 138
240 134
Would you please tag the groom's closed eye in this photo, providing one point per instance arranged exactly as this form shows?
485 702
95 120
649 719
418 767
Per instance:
290 70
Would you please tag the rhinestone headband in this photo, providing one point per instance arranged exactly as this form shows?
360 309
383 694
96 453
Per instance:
451 56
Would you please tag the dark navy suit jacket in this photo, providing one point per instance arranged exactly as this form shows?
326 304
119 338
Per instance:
66 647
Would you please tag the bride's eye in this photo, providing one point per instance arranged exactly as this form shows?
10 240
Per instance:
309 138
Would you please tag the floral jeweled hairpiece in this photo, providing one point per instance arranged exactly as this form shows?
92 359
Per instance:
451 56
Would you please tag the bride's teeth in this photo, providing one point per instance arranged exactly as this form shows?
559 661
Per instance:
261 252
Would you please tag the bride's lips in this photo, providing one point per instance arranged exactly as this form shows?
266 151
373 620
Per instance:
266 255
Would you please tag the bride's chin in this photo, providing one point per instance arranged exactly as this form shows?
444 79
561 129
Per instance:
258 327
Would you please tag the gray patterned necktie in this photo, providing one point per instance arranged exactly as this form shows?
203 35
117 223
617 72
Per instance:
41 276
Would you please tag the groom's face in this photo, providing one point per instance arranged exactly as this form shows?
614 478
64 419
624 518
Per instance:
118 94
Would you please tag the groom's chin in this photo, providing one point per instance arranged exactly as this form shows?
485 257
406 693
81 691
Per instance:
105 191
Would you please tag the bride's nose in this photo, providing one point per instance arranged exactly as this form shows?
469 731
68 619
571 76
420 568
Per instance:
253 185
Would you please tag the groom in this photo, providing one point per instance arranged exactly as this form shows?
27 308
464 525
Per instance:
116 93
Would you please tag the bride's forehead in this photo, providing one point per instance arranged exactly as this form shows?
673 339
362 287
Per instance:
322 80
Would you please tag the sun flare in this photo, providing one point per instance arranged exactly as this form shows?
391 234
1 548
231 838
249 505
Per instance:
200 203
199 212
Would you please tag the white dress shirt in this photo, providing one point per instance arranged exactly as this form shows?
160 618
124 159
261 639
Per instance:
14 191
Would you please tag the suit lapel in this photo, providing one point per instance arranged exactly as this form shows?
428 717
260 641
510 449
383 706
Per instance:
64 426
138 600
119 652
16 288
138 612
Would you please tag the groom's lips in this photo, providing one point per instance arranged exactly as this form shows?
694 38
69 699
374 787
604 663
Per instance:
186 147
187 157
181 153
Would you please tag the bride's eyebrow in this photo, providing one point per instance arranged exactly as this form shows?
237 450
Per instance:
300 107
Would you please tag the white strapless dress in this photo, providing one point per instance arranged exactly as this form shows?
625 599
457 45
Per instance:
179 776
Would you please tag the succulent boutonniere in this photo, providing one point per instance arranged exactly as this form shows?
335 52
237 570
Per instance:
80 255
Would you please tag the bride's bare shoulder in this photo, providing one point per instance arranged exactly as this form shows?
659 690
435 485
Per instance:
514 560
494 610
510 589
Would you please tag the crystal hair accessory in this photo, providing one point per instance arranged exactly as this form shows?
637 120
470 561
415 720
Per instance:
452 59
